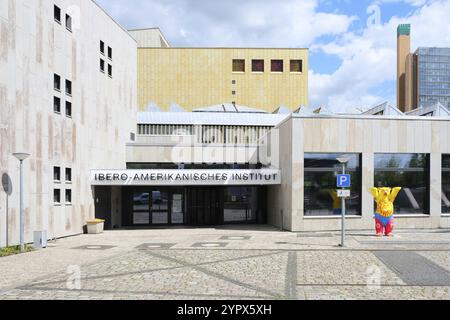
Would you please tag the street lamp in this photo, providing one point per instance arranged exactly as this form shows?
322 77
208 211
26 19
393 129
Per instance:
21 156
343 160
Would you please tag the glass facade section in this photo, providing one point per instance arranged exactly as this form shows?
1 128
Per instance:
446 183
433 76
411 173
239 204
320 195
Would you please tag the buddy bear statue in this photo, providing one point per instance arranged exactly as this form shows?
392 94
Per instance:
384 214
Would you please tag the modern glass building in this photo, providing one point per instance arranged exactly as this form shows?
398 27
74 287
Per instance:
433 65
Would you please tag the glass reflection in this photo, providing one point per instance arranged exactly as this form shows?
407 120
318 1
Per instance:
320 194
409 171
239 204
446 183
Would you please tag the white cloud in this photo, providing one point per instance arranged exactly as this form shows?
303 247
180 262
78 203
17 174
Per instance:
258 23
369 58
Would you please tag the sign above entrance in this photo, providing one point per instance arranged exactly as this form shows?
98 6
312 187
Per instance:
185 177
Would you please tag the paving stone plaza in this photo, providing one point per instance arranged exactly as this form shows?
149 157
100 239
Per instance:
257 262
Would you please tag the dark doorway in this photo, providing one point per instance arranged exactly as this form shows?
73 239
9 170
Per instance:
205 206
103 205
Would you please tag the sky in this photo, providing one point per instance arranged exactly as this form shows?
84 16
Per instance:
352 42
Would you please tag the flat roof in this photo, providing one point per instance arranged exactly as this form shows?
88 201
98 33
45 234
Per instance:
211 118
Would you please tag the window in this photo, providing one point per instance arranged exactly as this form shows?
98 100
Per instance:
238 65
446 183
110 53
57 174
276 65
296 66
57 82
102 65
409 171
233 81
110 71
56 105
68 175
233 93
68 196
57 196
57 14
68 109
257 65
102 47
68 22
320 197
69 87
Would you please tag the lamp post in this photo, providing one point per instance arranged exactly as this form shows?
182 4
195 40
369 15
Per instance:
21 156
343 160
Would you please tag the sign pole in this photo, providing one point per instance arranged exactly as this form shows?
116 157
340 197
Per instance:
343 214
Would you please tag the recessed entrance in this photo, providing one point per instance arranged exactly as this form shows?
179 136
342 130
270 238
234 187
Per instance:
157 206
193 206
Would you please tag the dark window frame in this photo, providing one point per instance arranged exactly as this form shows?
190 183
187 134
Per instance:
102 47
68 87
57 82
68 22
255 63
320 199
68 196
56 174
292 61
57 13
68 175
273 64
68 109
234 65
57 196
445 188
400 171
57 105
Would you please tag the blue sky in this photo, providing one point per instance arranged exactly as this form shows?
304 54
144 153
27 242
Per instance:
352 43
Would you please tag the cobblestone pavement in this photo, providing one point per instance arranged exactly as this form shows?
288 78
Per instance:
230 264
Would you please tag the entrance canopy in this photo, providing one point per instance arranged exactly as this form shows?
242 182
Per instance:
189 177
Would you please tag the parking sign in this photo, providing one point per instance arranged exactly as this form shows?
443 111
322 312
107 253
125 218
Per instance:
343 181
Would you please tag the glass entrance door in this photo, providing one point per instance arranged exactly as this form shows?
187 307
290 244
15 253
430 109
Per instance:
158 206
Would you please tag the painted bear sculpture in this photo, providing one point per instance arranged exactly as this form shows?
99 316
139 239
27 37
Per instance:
384 214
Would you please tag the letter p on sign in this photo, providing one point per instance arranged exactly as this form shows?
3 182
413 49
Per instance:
343 181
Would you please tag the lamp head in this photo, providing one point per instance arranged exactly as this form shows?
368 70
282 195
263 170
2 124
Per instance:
343 159
21 155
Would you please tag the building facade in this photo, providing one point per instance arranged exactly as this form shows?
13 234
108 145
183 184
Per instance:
195 77
215 168
423 77
67 97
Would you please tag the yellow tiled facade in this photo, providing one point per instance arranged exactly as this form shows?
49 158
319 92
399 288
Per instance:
200 77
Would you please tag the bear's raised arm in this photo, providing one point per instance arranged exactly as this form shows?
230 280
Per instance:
394 193
374 192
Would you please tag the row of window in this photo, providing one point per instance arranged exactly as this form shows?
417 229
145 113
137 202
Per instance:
276 65
57 100
57 15
102 67
103 61
57 180
57 196
409 171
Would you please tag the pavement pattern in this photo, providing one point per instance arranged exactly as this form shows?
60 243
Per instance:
256 263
